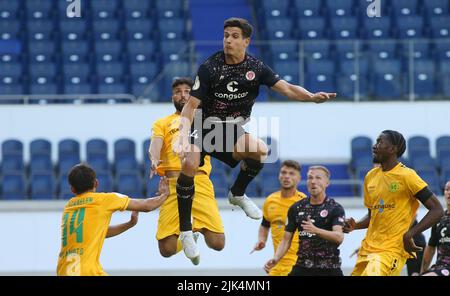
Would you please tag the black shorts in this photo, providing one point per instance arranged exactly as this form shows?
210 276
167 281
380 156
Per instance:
439 270
303 271
217 141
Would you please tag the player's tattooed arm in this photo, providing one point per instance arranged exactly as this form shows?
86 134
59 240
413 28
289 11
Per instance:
298 93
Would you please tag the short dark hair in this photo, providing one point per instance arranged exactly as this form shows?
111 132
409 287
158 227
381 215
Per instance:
82 178
396 139
182 80
292 164
243 24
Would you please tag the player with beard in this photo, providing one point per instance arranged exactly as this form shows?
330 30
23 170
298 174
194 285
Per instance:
205 211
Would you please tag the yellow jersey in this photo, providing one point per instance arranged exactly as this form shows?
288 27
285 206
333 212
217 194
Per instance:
390 196
167 129
84 226
275 211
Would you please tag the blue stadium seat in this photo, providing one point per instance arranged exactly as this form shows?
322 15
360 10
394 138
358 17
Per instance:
383 49
319 49
126 163
387 78
418 146
353 66
320 75
404 7
42 186
73 29
311 28
143 73
352 86
104 9
168 5
41 51
96 146
106 29
14 186
288 70
307 8
9 89
344 27
68 147
82 88
420 50
40 163
152 186
410 27
136 8
12 70
75 73
105 181
75 51
108 51
106 71
38 9
170 29
145 157
139 29
42 70
9 29
340 190
219 179
361 146
431 177
445 177
40 29
440 26
339 7
348 50
436 7
99 162
124 147
130 184
9 9
178 69
279 28
442 148
142 50
446 85
40 146
12 146
43 88
64 191
423 162
12 163
377 27
361 172
174 50
424 78
284 50
65 164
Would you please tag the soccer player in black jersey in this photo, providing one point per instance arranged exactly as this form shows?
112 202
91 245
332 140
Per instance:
225 89
440 239
319 220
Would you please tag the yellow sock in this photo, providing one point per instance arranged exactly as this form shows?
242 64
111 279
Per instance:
179 246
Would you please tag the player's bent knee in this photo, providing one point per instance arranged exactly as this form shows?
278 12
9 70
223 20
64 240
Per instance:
166 249
215 241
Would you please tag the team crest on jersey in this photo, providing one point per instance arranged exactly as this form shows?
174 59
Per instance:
393 187
250 75
324 213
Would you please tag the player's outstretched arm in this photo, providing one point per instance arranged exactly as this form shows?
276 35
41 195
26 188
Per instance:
298 93
428 255
118 229
154 153
351 225
150 204
283 247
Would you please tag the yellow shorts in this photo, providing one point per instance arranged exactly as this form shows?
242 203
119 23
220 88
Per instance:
205 211
281 269
379 264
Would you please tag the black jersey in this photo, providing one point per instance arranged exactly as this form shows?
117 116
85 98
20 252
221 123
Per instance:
440 238
229 91
314 251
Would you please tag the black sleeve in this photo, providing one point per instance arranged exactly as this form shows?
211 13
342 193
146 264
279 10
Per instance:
424 194
290 223
338 217
202 83
265 223
268 77
434 238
